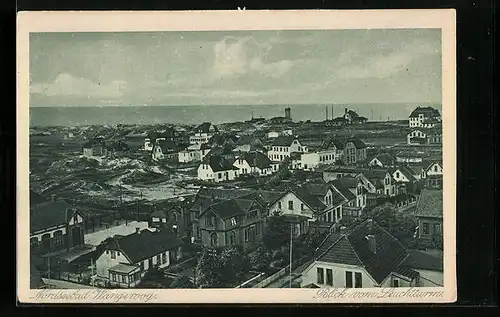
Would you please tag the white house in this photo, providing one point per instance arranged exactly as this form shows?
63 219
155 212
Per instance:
215 168
126 259
254 163
273 134
194 153
332 200
283 146
203 133
428 265
309 161
424 117
352 260
164 149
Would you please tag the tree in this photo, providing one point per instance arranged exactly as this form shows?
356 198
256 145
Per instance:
277 234
182 282
153 278
260 258
222 267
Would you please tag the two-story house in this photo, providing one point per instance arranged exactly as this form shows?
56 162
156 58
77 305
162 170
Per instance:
256 163
366 256
170 215
424 114
404 180
95 148
349 150
433 174
215 168
379 181
425 135
165 149
237 221
283 146
429 214
55 226
382 160
125 259
203 133
353 193
330 197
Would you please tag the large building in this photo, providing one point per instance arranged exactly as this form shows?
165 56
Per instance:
283 146
424 117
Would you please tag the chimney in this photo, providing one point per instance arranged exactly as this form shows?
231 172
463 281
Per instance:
372 244
345 111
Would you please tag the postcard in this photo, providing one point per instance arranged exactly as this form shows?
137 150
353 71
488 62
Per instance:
236 157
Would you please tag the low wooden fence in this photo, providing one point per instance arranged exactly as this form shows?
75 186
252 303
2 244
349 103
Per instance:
283 272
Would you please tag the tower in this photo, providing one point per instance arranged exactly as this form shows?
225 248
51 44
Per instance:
288 114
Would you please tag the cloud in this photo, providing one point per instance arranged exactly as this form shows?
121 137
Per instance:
68 85
237 56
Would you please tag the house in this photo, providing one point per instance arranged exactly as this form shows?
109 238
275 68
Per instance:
171 215
378 181
425 135
410 156
433 174
55 226
273 134
203 133
254 163
382 160
349 150
236 221
169 134
164 149
282 147
354 194
95 148
330 197
223 140
404 176
353 118
424 114
336 122
328 153
429 214
366 256
215 168
249 143
194 153
429 267
334 172
126 259
299 206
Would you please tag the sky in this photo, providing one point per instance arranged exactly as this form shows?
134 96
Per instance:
235 67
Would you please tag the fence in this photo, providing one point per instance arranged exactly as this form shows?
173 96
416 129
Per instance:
281 273
247 284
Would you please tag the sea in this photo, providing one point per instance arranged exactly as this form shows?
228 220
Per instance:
217 114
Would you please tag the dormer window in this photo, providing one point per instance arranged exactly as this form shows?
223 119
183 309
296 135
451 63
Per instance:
233 221
75 218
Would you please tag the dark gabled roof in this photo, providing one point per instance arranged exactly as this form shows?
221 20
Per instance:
424 261
384 158
167 145
49 214
256 159
205 127
408 173
233 207
430 204
218 163
312 201
342 186
353 249
341 142
375 174
145 244
317 187
340 120
352 113
284 140
426 111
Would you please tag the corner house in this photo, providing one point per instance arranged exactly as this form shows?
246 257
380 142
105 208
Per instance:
367 256
126 259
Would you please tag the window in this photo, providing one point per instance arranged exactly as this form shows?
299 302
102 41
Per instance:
158 259
246 234
219 175
348 279
232 238
142 266
213 239
124 279
301 206
426 228
321 277
113 277
279 204
164 258
437 228
233 221
358 281
395 282
34 242
329 217
435 168
257 229
290 205
58 238
113 254
107 251
329 277
118 253
75 218
397 174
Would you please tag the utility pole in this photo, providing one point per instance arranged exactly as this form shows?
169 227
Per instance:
291 245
